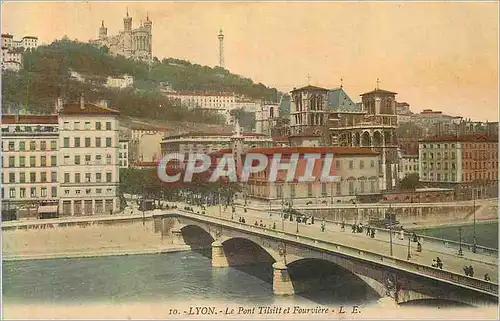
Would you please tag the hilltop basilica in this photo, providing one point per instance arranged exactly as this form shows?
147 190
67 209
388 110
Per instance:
131 43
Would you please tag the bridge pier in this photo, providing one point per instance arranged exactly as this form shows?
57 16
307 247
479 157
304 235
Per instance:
219 258
177 237
282 284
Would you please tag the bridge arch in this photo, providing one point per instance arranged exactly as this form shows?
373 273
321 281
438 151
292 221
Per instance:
371 278
244 251
196 236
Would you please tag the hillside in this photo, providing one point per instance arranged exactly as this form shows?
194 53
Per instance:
46 75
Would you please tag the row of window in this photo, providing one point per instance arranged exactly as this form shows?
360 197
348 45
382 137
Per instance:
123 163
369 186
122 155
87 160
31 192
466 145
439 145
31 146
31 177
21 161
87 125
438 166
480 165
87 191
438 177
88 178
480 155
476 176
438 155
87 142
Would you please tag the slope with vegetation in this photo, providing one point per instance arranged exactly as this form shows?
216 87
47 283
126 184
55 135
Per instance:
46 76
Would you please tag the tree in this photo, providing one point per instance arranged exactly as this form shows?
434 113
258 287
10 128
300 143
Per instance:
410 182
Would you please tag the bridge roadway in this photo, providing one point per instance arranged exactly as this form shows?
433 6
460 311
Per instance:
481 263
416 280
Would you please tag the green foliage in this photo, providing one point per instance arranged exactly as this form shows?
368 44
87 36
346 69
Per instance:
409 130
46 76
246 118
410 182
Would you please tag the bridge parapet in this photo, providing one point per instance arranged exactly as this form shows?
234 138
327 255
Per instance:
485 287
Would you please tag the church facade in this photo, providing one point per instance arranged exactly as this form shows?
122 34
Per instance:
131 43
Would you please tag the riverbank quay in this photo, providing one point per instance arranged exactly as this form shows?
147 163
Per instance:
84 237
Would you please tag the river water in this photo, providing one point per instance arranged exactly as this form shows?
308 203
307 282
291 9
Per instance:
486 233
173 277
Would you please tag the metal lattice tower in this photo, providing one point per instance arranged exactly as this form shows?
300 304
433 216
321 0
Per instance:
221 48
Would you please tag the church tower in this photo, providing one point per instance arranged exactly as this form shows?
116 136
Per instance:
148 24
127 23
237 140
103 31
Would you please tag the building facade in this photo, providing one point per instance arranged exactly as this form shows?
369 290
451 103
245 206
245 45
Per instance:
132 43
408 164
29 162
358 169
88 157
371 124
123 153
209 142
468 164
12 50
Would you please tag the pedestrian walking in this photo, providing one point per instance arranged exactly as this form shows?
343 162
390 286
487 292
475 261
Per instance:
419 247
368 229
487 277
466 270
372 233
471 271
402 234
342 226
439 263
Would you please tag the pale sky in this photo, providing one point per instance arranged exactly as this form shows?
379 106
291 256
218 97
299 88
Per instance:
435 55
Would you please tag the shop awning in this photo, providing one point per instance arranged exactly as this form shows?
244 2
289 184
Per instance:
47 209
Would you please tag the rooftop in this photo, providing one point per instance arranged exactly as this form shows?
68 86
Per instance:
309 88
463 138
29 119
310 150
75 109
212 133
380 92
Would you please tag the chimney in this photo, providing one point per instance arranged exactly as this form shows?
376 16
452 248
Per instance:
58 105
82 102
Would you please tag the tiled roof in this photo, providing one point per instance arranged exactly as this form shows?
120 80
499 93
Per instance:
306 88
338 100
321 150
6 35
201 94
74 108
29 119
379 91
214 133
307 133
148 127
464 138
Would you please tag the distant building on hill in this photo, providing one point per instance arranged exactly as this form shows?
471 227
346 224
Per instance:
131 43
12 50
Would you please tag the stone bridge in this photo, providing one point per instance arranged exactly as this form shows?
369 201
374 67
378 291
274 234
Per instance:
303 262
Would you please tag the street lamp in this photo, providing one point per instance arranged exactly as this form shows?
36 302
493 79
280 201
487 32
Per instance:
297 219
390 227
409 240
460 253
282 212
474 244
220 206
